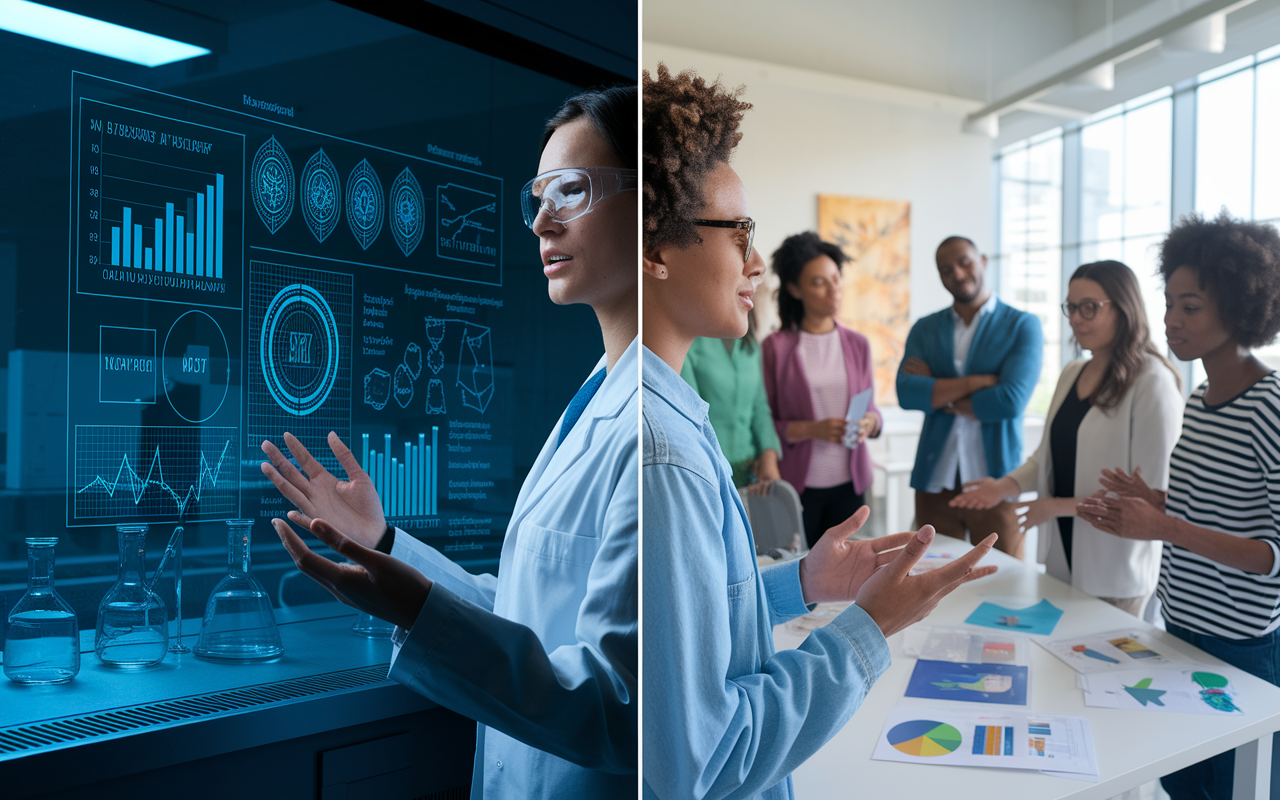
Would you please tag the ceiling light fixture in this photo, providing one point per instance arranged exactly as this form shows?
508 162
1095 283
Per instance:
93 35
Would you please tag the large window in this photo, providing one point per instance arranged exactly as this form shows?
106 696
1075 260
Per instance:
1029 255
1125 191
1111 186
1238 148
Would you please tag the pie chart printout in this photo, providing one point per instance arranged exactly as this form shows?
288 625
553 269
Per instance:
924 737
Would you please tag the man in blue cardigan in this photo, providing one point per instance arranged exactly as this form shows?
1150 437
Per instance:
971 368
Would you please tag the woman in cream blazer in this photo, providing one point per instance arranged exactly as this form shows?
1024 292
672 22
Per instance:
1121 408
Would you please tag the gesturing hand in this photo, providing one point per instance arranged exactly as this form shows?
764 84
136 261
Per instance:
981 494
894 598
1127 517
1118 481
836 568
376 584
351 505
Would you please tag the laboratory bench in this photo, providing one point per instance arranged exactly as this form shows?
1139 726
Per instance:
321 721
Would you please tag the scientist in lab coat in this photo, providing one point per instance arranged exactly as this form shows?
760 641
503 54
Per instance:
544 656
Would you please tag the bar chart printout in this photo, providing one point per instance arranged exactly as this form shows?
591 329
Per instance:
405 474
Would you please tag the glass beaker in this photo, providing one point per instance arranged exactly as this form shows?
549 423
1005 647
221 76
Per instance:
238 622
42 639
133 628
370 627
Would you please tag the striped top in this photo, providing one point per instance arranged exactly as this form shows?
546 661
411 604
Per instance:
1224 474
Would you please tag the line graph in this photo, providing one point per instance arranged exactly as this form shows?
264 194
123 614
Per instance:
185 466
466 225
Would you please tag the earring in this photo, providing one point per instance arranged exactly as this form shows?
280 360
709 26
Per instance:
662 272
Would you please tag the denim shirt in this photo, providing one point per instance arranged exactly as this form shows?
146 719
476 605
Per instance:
545 655
724 715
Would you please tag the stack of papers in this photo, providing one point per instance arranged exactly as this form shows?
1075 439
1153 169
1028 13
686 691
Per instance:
1050 743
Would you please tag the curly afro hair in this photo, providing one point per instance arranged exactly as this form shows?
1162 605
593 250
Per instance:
689 128
1238 263
788 262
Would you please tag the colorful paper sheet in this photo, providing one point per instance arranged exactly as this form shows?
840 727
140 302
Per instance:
1114 651
1203 690
1005 684
1045 742
1040 618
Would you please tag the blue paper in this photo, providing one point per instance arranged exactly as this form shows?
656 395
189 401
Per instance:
1041 618
974 683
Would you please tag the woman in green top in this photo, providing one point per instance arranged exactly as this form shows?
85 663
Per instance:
727 374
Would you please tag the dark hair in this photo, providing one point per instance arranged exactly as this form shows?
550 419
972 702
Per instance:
1132 343
788 262
1238 263
689 128
951 239
611 110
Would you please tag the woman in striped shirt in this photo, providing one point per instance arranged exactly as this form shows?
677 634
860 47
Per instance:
1220 520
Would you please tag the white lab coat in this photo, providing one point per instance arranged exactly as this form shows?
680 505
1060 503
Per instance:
545 656
1139 432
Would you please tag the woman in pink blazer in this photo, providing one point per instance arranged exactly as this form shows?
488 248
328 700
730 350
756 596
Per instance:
812 367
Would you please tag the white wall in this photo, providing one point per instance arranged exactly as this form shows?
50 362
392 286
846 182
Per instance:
811 133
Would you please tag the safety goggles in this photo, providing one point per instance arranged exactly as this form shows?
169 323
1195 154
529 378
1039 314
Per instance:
566 194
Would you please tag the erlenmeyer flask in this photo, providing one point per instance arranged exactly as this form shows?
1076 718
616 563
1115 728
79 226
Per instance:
238 622
133 626
370 627
42 639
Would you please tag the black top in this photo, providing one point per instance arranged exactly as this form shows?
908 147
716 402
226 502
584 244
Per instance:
1062 444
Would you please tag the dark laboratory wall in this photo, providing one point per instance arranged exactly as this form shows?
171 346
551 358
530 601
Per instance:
367 175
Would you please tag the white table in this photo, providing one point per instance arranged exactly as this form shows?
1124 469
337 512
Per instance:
1133 747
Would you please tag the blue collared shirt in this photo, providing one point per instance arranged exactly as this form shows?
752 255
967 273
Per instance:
545 655
726 716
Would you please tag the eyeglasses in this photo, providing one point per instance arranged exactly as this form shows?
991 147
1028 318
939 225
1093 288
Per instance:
1088 309
749 225
566 194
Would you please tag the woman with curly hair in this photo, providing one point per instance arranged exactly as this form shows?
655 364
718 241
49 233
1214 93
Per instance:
812 367
1219 582
725 715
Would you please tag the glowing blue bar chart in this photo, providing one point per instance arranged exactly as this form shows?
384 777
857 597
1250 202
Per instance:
407 481
189 244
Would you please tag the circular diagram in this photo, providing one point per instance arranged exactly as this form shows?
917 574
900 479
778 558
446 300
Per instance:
299 349
406 211
321 195
195 368
365 203
271 184
924 737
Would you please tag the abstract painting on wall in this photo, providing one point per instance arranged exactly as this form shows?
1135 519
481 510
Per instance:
876 236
